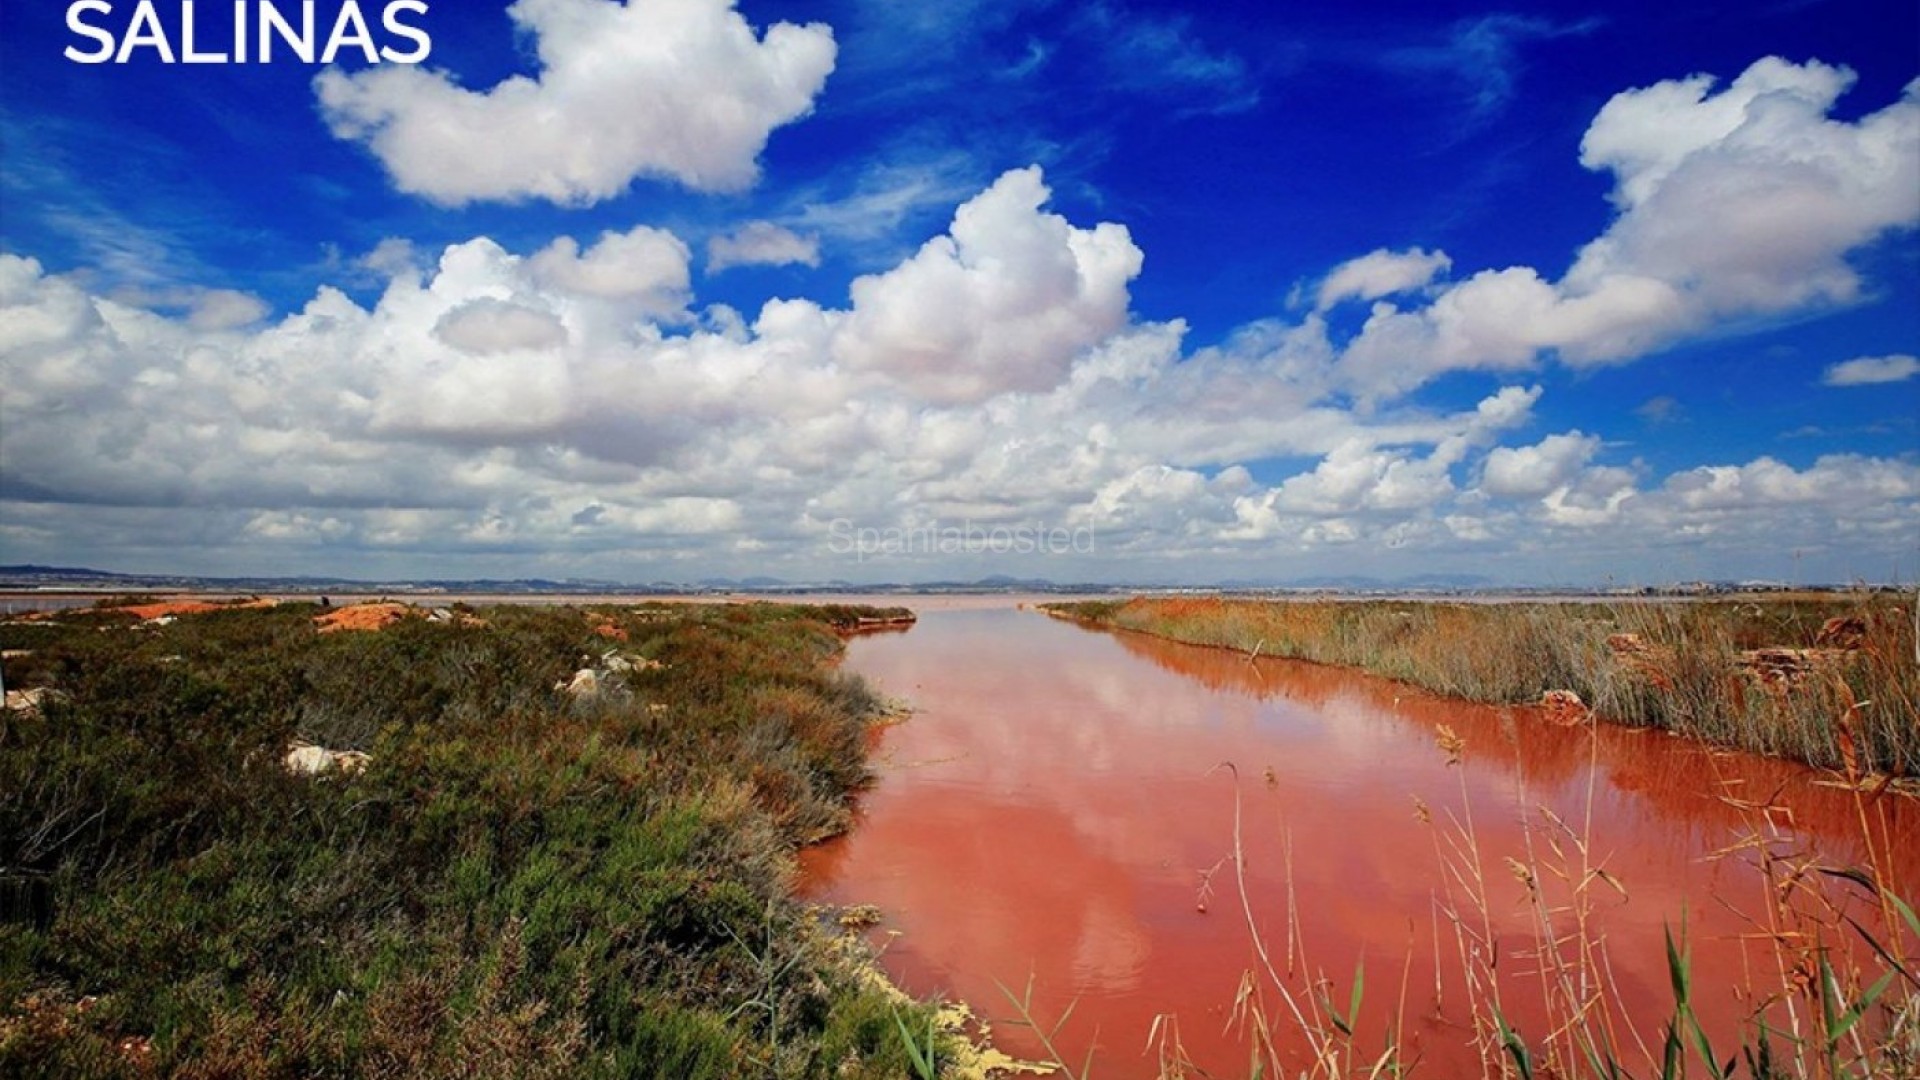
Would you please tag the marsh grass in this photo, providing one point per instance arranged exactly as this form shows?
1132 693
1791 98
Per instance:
1834 994
520 883
1685 666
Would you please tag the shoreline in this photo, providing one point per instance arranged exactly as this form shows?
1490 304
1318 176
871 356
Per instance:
1823 692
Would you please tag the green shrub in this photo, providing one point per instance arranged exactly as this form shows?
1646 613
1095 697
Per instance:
556 887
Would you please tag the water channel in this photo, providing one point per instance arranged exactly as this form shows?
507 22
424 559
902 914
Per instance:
1057 813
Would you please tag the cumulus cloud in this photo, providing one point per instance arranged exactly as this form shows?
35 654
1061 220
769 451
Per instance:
1524 472
761 243
1746 200
1645 136
1004 301
1376 470
1731 205
203 308
226 309
1833 481
392 256
1872 370
566 409
1154 503
684 90
644 266
557 371
1381 273
487 325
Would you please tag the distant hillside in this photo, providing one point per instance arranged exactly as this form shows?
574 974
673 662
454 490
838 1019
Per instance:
31 577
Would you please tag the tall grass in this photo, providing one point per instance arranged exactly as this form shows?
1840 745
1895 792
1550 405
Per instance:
521 882
1836 993
1694 667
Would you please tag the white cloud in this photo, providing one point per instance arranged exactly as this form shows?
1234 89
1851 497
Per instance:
1732 205
562 411
226 309
392 256
1840 502
1381 273
1529 472
644 266
676 89
1357 476
1375 473
1155 504
1872 370
1645 136
1594 498
1005 301
486 325
1839 480
761 243
1745 201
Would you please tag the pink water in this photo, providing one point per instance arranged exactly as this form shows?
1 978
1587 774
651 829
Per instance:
1056 811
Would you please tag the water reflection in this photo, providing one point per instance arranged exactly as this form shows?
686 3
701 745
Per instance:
1056 809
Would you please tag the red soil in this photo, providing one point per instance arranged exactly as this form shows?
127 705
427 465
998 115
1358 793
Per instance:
190 607
362 617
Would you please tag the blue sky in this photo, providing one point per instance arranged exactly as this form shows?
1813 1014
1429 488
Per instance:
1548 294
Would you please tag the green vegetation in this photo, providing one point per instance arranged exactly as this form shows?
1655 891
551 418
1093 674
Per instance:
520 880
1828 680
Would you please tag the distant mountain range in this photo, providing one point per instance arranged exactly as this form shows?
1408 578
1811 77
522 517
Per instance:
81 579
49 578
1360 583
